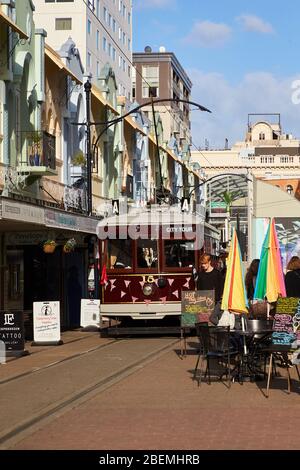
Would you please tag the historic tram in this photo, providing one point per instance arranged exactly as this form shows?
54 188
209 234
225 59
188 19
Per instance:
147 259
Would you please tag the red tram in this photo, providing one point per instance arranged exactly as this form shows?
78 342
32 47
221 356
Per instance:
149 257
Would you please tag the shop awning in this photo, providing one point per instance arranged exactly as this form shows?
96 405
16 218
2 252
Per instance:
56 59
98 95
5 19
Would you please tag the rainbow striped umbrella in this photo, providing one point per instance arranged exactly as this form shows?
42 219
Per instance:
270 281
234 294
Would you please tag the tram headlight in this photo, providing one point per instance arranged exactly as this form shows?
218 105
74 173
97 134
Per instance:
147 289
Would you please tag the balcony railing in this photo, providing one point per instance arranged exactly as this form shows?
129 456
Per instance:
36 149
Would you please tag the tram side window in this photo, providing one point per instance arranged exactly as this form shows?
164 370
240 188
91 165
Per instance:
146 253
119 254
179 253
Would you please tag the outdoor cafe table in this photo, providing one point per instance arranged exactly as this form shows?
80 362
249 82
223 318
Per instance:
247 368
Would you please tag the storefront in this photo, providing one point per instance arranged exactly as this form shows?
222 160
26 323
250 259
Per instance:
30 274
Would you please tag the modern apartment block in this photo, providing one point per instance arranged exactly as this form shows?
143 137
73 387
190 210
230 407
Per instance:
101 30
160 75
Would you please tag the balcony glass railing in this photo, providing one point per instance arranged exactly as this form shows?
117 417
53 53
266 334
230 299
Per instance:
36 149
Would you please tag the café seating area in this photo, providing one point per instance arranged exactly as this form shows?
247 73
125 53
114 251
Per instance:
242 354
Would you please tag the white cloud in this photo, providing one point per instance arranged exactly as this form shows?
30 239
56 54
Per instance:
257 92
256 24
208 34
141 4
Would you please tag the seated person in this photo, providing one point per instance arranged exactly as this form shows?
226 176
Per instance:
122 261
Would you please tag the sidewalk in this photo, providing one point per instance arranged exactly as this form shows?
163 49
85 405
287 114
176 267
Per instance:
75 343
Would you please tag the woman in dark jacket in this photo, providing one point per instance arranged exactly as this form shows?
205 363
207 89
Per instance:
250 278
292 277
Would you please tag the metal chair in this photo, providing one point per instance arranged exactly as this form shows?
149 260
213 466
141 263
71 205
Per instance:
280 353
214 344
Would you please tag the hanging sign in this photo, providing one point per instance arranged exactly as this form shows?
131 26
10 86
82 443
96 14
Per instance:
46 323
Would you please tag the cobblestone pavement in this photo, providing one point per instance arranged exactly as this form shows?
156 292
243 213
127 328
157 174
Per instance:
161 407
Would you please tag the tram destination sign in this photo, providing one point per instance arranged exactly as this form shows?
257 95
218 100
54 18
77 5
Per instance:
196 306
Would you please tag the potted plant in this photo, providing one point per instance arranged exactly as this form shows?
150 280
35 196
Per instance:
69 246
49 246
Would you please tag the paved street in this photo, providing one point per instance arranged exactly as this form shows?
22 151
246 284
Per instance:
158 406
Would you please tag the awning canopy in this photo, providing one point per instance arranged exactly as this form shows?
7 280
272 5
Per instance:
5 19
98 95
56 59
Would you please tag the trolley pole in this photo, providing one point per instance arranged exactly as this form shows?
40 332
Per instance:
87 89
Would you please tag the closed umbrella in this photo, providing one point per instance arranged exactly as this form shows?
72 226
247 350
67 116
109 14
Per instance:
234 295
270 281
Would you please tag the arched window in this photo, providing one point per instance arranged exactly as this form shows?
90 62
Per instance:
261 136
289 189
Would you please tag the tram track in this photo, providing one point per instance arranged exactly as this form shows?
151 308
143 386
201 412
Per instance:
122 362
59 361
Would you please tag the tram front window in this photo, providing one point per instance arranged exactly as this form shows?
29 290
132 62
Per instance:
119 254
179 253
146 253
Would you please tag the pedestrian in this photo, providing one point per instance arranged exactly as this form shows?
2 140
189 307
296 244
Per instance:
250 279
292 277
210 278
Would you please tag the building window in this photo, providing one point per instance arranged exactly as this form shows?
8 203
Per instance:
129 70
98 70
104 44
114 25
109 49
124 38
120 61
89 27
97 39
120 33
124 65
63 23
261 136
151 75
114 54
289 189
133 93
92 4
124 11
109 20
98 9
129 44
105 14
89 59
129 18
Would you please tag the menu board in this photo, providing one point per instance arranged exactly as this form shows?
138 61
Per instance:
287 321
196 306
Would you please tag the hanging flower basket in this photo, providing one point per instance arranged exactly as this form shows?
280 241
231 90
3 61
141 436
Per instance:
69 246
49 246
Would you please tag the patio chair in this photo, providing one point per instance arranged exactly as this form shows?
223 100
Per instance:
215 344
279 353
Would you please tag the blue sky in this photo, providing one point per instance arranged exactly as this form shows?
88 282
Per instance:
242 57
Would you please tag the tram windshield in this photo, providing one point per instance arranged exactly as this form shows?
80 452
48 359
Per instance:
146 253
179 253
119 254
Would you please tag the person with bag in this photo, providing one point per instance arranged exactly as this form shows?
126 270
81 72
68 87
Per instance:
292 277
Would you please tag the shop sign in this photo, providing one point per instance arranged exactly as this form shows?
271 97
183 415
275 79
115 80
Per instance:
22 212
90 312
60 220
12 330
26 238
46 322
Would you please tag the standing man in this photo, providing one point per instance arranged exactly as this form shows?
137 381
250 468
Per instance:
210 278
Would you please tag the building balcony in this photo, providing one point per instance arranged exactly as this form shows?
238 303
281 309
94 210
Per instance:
36 154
